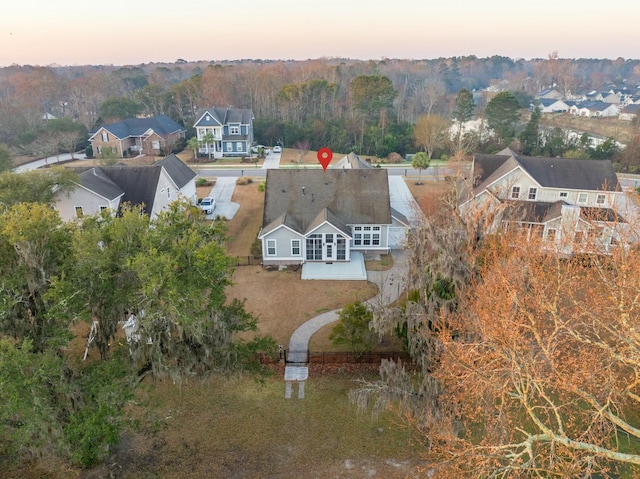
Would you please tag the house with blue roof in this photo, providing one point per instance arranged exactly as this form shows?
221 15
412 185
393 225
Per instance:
224 131
135 136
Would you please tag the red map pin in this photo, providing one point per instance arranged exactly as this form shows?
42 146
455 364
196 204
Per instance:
324 157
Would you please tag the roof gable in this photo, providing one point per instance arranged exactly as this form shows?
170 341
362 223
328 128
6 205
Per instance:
223 116
573 174
161 125
348 196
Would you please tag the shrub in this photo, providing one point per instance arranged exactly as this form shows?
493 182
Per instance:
394 158
244 180
202 182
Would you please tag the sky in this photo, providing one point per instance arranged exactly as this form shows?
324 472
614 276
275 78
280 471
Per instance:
131 32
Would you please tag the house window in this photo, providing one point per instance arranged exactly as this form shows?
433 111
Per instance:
229 146
295 247
600 199
515 192
105 136
357 228
239 146
532 193
103 208
155 145
328 238
357 239
168 193
551 234
271 247
79 212
341 249
376 228
564 194
582 198
375 239
234 130
314 247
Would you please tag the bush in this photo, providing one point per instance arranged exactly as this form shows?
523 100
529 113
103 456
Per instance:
89 152
202 182
353 328
262 186
395 158
256 248
244 180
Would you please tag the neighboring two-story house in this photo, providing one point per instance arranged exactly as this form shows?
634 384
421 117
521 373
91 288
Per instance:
224 131
571 204
135 136
107 187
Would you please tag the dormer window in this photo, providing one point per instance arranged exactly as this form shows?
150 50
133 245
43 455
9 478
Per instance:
234 130
208 118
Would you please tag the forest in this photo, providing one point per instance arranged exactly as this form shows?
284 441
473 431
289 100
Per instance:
369 107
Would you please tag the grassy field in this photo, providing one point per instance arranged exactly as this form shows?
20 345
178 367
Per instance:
620 130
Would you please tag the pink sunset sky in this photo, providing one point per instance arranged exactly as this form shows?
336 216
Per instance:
119 32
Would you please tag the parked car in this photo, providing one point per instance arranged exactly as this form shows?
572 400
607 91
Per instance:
277 149
208 204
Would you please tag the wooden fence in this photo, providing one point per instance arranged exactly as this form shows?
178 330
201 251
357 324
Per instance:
316 357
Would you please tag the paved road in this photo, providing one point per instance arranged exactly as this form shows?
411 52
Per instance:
34 165
262 172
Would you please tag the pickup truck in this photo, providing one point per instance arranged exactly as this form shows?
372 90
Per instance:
208 204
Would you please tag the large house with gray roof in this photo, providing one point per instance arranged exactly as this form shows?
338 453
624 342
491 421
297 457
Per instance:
152 188
567 203
331 216
230 130
135 136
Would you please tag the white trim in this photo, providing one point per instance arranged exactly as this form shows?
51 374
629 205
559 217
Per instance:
275 250
299 240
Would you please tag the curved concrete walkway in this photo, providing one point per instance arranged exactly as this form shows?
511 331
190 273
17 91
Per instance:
390 283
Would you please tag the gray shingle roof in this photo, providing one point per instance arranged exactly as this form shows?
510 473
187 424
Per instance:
137 183
162 125
94 179
299 198
573 174
352 160
222 116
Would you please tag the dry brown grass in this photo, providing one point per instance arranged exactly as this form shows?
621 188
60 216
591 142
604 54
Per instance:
291 156
245 225
429 194
282 301
606 127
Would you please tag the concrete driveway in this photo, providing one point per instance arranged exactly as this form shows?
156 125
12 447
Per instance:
222 191
402 200
271 161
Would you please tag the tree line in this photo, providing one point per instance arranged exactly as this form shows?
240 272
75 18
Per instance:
338 103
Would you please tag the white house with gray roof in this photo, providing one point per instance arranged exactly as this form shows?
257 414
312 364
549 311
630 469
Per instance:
311 215
566 202
152 187
231 131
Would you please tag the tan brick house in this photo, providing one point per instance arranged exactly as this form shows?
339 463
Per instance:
134 136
